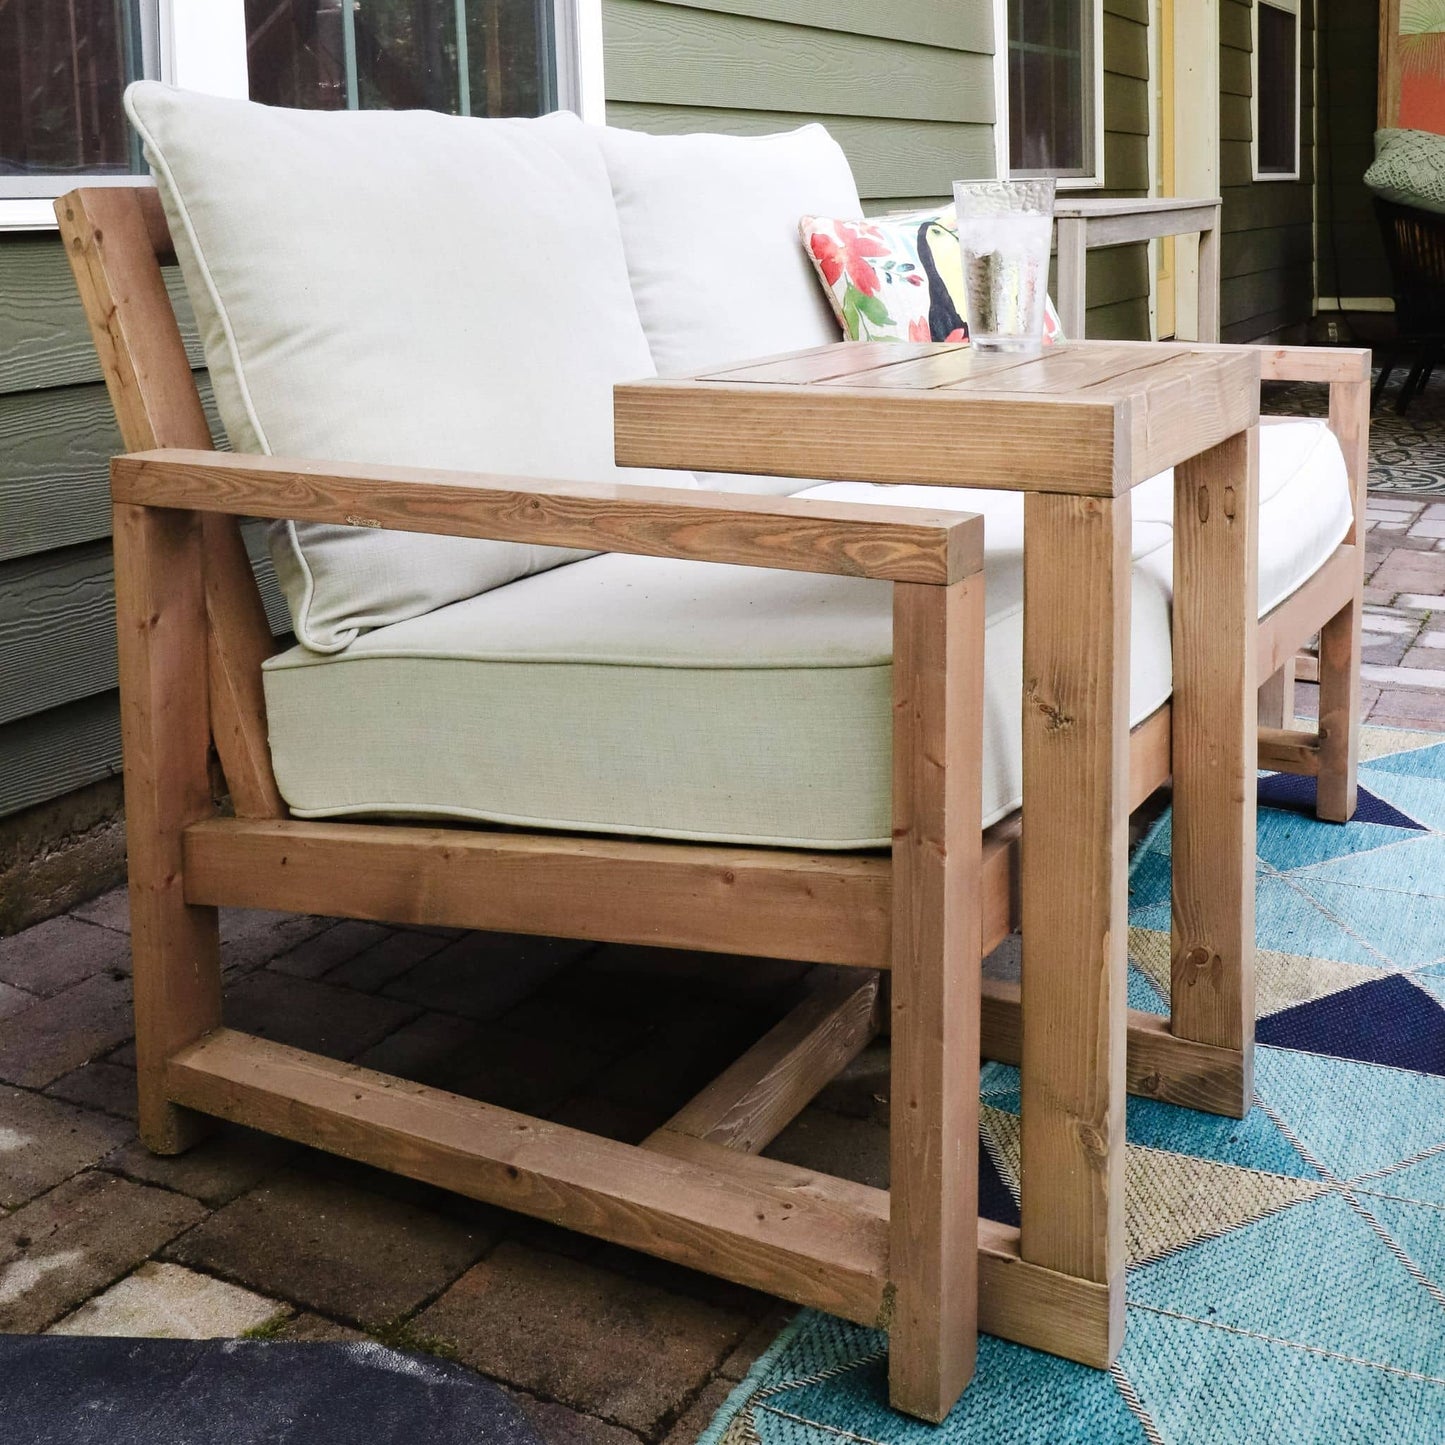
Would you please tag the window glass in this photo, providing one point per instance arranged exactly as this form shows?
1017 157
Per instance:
1277 90
63 67
466 57
1050 89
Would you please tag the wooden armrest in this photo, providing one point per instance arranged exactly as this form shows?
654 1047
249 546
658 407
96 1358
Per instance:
896 544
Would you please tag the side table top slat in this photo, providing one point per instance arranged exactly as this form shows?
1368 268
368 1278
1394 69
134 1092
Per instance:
1072 369
1084 418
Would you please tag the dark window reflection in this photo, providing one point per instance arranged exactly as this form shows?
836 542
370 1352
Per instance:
1278 84
402 55
1050 86
63 67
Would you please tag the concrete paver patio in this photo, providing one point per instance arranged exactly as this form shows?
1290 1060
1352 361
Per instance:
251 1234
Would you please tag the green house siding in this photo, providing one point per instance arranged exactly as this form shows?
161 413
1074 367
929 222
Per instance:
59 725
1351 258
906 88
1117 283
1267 251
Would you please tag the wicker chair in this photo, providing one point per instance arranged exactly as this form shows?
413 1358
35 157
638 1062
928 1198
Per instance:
1415 249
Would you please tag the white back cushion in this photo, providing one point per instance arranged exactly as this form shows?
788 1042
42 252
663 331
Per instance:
710 227
400 287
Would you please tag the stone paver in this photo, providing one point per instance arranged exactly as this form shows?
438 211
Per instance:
44 1141
56 954
346 1252
164 1301
482 975
61 1248
63 1032
215 1171
602 1343
557 1425
321 952
13 1000
307 1015
100 1084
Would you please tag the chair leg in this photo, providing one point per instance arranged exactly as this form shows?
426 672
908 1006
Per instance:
165 730
1340 642
1216 749
1339 724
1276 699
937 936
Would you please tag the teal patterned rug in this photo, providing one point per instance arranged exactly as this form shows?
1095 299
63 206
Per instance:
1286 1280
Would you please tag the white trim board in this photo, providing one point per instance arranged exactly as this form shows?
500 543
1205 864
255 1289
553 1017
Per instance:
1355 303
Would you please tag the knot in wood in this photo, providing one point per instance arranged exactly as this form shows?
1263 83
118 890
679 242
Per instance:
1201 503
1094 1143
1196 962
1229 503
1055 718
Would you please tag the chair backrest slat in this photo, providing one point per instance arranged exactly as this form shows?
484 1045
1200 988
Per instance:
117 240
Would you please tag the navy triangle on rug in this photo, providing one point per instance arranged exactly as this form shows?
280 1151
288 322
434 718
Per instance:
1286 1280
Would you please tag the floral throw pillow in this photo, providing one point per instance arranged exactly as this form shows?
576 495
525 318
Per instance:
896 278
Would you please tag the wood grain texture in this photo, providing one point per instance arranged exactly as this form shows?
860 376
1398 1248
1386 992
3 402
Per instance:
1120 424
1340 641
116 239
1277 695
748 1105
1160 1065
1287 750
832 430
1075 730
849 539
165 725
937 932
719 1220
1285 629
1216 682
768 902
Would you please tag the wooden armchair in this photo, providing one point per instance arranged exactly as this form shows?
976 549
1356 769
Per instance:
916 1260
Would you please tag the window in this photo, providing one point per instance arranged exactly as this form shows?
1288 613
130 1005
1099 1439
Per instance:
64 65
1054 89
1276 90
467 57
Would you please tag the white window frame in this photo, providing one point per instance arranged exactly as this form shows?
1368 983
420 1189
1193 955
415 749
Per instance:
1290 7
201 45
1095 180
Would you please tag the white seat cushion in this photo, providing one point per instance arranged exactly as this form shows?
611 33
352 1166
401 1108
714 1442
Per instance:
641 696
1304 506
685 700
407 288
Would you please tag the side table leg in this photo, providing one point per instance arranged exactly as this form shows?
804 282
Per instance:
1075 890
1216 563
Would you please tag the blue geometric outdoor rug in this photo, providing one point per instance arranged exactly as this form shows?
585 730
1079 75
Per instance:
1286 1278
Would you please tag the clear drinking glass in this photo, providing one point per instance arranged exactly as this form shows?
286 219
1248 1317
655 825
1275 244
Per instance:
1005 229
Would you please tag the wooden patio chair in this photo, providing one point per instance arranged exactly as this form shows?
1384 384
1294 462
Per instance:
193 636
